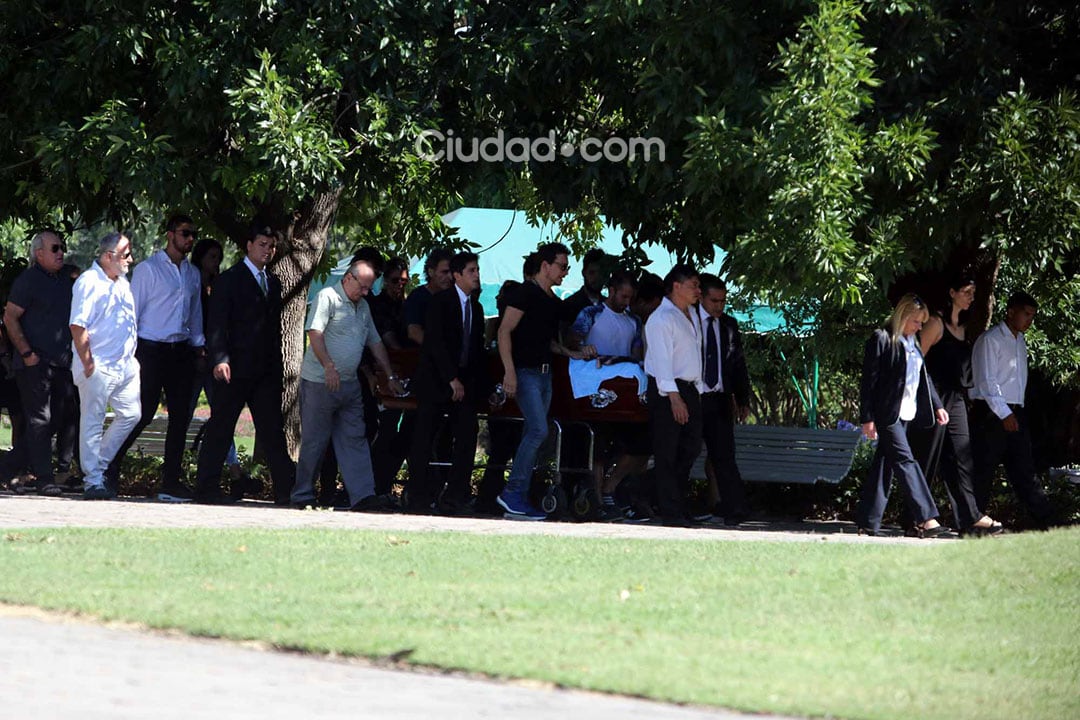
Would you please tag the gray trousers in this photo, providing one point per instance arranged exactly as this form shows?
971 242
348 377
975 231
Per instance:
336 417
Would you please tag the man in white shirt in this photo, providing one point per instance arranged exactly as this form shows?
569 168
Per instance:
999 421
167 290
725 399
673 364
107 373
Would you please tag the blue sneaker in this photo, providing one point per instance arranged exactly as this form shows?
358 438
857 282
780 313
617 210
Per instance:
98 492
517 508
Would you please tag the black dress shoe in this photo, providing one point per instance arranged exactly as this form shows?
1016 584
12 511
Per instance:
373 503
217 498
681 521
245 485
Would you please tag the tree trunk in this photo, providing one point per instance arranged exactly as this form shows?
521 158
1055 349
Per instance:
298 255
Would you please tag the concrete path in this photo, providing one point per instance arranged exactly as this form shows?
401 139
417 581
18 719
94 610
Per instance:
56 668
33 511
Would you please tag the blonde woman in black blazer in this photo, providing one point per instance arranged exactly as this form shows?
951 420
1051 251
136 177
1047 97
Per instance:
896 390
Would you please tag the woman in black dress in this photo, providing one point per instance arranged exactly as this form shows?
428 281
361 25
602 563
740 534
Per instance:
947 448
896 390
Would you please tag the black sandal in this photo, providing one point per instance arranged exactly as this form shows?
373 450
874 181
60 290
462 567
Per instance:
991 530
939 531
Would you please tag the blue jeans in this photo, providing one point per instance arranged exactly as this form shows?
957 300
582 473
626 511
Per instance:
333 417
534 399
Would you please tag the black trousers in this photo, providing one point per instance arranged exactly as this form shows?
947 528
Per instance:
461 421
675 447
994 445
946 450
504 438
391 447
262 395
893 457
47 395
168 368
718 420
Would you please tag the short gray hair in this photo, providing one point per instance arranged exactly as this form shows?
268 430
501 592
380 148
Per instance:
354 268
109 242
38 241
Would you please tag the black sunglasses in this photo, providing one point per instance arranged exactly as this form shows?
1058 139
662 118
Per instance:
189 233
58 247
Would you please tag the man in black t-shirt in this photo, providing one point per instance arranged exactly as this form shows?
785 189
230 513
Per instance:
437 272
528 335
36 317
388 307
391 444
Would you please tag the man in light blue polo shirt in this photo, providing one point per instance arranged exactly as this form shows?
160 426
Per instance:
339 327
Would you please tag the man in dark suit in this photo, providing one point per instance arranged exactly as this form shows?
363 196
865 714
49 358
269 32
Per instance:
726 396
243 340
450 379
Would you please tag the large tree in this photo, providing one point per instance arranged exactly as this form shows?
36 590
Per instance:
835 149
298 114
839 151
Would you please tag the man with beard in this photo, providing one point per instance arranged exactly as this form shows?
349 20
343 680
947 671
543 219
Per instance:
592 275
168 304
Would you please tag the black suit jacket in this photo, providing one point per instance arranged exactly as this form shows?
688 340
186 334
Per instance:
733 372
244 326
883 377
440 354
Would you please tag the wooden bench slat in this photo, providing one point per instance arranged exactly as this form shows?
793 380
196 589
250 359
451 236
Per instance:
800 456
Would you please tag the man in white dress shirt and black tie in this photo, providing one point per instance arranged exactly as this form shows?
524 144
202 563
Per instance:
673 364
168 304
725 396
1000 424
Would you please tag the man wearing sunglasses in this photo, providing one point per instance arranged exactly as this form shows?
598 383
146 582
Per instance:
167 290
107 375
36 317
393 436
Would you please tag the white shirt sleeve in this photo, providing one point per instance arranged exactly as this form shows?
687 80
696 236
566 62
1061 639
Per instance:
198 338
984 361
659 344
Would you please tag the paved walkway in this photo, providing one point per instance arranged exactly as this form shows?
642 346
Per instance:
34 511
55 666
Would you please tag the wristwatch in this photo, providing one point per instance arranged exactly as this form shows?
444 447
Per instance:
28 353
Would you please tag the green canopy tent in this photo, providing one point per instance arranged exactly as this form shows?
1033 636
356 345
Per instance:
502 238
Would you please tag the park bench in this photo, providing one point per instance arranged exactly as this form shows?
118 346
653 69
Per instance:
800 456
151 441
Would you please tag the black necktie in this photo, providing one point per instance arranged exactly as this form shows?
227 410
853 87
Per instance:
466 326
712 357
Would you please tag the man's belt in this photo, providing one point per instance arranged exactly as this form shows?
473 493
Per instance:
181 345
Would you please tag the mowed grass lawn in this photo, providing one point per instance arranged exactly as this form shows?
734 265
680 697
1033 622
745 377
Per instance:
980 629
